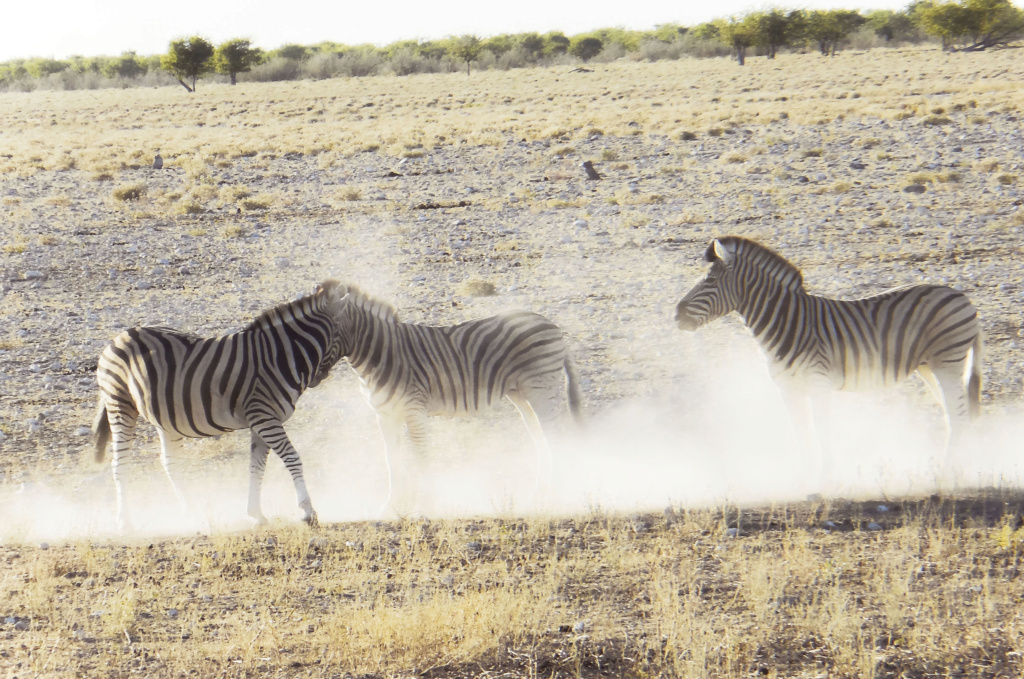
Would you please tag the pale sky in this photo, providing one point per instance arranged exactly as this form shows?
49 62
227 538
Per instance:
60 28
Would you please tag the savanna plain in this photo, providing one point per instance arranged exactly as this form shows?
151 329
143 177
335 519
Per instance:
676 539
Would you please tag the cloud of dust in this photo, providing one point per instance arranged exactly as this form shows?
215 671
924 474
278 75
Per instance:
716 432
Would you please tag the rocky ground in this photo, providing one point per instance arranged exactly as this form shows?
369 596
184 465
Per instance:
920 183
859 204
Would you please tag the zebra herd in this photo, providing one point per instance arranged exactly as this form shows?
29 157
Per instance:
188 386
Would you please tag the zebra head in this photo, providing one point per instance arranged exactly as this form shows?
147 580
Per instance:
329 295
715 295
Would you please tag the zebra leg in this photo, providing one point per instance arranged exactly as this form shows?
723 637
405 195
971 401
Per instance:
170 449
801 413
417 423
122 434
274 436
822 414
257 466
390 430
532 410
956 404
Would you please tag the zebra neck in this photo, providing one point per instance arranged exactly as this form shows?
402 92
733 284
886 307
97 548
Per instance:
764 308
289 361
368 344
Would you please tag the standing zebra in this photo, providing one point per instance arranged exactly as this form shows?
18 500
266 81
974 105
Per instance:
410 371
188 386
815 344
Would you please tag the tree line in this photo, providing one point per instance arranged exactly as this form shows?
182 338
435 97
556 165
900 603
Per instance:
959 25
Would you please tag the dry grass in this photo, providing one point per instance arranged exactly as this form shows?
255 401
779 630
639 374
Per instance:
937 592
804 590
406 120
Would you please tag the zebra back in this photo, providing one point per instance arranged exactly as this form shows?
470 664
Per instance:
857 343
451 369
198 386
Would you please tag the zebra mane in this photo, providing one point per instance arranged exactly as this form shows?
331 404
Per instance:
373 306
315 301
768 261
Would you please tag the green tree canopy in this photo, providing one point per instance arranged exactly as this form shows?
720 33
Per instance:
739 34
465 48
830 27
889 25
975 24
188 58
236 56
292 51
586 48
499 44
128 65
556 43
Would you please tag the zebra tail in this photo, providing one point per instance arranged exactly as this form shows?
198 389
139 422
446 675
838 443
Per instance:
572 387
974 381
101 427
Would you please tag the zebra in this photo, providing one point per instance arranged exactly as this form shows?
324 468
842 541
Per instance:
189 386
816 344
409 371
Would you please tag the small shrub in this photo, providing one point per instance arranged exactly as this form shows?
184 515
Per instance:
609 154
1005 178
347 193
188 207
259 202
987 165
715 131
475 287
232 231
686 135
233 194
734 157
563 151
842 187
936 120
101 176
129 192
812 153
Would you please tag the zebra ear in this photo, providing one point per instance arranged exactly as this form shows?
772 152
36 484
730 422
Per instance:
718 251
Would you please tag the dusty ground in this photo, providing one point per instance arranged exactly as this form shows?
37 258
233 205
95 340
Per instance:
251 211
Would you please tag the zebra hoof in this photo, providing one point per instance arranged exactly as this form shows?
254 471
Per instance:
258 520
312 521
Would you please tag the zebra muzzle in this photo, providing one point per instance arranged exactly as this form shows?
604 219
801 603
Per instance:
685 321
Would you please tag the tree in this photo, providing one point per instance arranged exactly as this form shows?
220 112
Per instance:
556 43
585 48
975 24
188 58
532 44
293 52
40 68
499 44
889 25
707 31
236 56
739 35
465 48
771 30
829 27
125 66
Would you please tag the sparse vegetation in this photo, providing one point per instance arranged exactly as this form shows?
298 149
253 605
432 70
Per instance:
129 192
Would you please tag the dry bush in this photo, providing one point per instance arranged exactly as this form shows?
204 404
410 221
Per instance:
476 287
258 202
129 192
